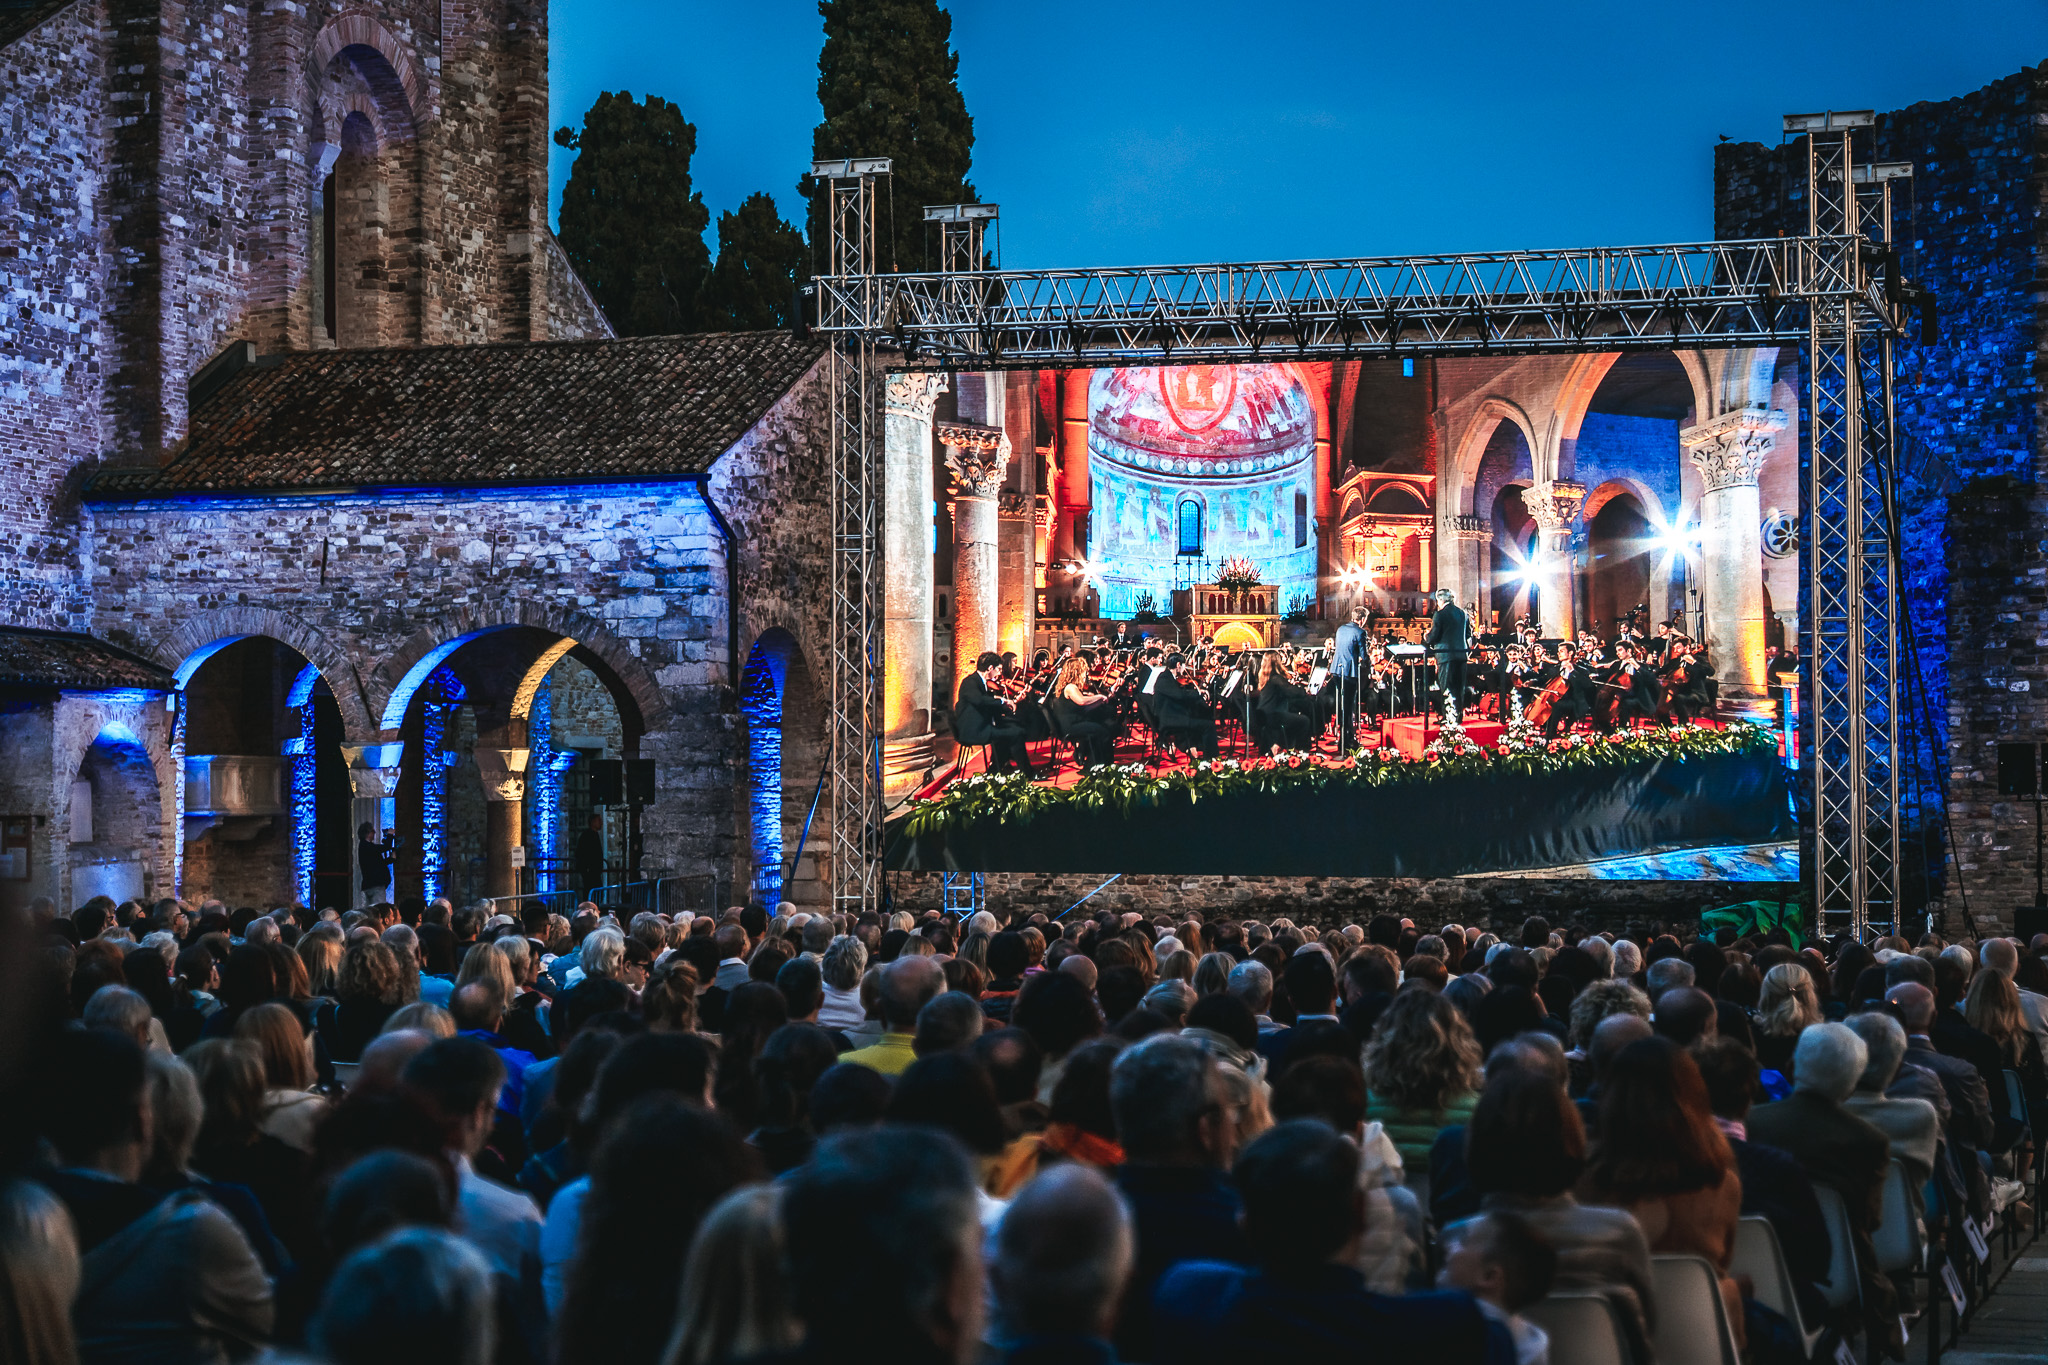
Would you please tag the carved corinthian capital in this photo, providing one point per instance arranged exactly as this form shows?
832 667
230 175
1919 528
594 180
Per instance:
1554 504
1729 450
503 772
1463 527
978 457
913 394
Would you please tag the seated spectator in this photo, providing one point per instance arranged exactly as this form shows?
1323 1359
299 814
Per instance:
1837 1149
949 1022
365 995
1788 1006
290 1108
417 1294
459 1079
785 1071
1061 1258
1303 1298
1421 1072
162 1276
636 1232
1058 1011
1008 958
1661 1157
1774 1186
1525 1149
1504 1263
906 987
1911 1126
1174 1120
1684 1014
906 1197
735 1302
844 962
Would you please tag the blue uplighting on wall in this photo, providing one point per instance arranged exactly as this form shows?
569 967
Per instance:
305 811
441 693
761 704
544 787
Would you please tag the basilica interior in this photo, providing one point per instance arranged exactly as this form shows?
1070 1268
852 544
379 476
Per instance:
1036 509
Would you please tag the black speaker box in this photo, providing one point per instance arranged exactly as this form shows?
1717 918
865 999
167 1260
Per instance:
2019 769
607 782
640 781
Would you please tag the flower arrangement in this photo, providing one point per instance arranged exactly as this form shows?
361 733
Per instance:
1238 574
1122 788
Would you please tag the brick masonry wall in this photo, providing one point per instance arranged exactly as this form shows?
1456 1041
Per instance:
1971 230
1501 903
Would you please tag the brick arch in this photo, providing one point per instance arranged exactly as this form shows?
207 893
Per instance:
1463 483
358 29
624 672
74 743
197 637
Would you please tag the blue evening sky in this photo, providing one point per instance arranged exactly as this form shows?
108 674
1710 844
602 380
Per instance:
1140 131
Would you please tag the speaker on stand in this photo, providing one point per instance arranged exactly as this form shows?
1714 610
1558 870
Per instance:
2019 774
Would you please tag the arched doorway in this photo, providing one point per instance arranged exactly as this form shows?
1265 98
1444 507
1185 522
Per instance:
784 816
1621 561
503 729
115 842
1512 581
266 788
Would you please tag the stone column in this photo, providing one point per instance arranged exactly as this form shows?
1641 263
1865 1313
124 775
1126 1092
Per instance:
1016 609
373 779
1553 505
978 458
1729 453
907 531
504 776
1461 541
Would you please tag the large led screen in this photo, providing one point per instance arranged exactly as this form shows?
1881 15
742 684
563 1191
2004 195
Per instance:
1408 616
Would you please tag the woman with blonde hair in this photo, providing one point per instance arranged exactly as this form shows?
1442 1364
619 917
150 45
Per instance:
493 969
1178 965
1079 713
1421 1072
367 989
1212 974
1788 1005
735 1302
1993 1008
290 1108
428 1019
38 1277
320 950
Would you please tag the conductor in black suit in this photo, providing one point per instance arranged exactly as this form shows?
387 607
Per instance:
980 717
1450 640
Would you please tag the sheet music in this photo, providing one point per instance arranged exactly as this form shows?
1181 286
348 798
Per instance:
1230 684
1317 678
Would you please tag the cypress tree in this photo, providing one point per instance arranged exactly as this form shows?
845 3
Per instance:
631 224
760 260
888 85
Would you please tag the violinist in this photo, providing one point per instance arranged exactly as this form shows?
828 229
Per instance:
1640 700
1285 713
1183 712
1083 716
982 716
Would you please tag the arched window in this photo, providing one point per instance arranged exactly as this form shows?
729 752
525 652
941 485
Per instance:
1190 527
328 311
1300 518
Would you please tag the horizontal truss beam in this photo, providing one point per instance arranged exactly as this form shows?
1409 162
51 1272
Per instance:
1713 294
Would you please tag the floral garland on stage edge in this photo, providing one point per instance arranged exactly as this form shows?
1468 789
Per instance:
1124 787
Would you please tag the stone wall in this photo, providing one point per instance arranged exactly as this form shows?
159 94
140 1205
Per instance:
635 573
54 249
1500 902
1970 414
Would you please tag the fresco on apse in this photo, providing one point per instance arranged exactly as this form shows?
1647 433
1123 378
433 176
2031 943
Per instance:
1218 460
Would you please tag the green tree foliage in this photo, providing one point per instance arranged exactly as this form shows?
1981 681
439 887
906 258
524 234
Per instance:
760 260
888 85
631 224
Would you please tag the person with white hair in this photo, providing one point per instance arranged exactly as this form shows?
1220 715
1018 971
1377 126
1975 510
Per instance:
1911 1126
120 1010
1835 1147
1600 951
1628 957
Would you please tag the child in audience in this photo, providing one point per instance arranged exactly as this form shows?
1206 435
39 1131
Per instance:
1506 1265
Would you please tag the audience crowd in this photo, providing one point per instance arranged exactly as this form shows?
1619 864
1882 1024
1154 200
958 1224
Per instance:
426 1134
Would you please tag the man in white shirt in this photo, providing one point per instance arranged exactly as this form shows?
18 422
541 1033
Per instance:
461 1077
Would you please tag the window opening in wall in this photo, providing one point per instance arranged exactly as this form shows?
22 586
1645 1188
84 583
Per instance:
328 272
1300 518
1190 527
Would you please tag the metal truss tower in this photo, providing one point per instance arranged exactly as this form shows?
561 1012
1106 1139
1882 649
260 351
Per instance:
855 498
1834 291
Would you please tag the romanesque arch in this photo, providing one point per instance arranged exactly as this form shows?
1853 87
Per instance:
198 638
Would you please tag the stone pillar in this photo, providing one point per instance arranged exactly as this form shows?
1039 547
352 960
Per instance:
907 533
504 776
373 779
978 458
1016 585
1461 541
1729 453
1553 505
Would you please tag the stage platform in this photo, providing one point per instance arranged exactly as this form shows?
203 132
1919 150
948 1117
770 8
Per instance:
1318 817
1412 734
